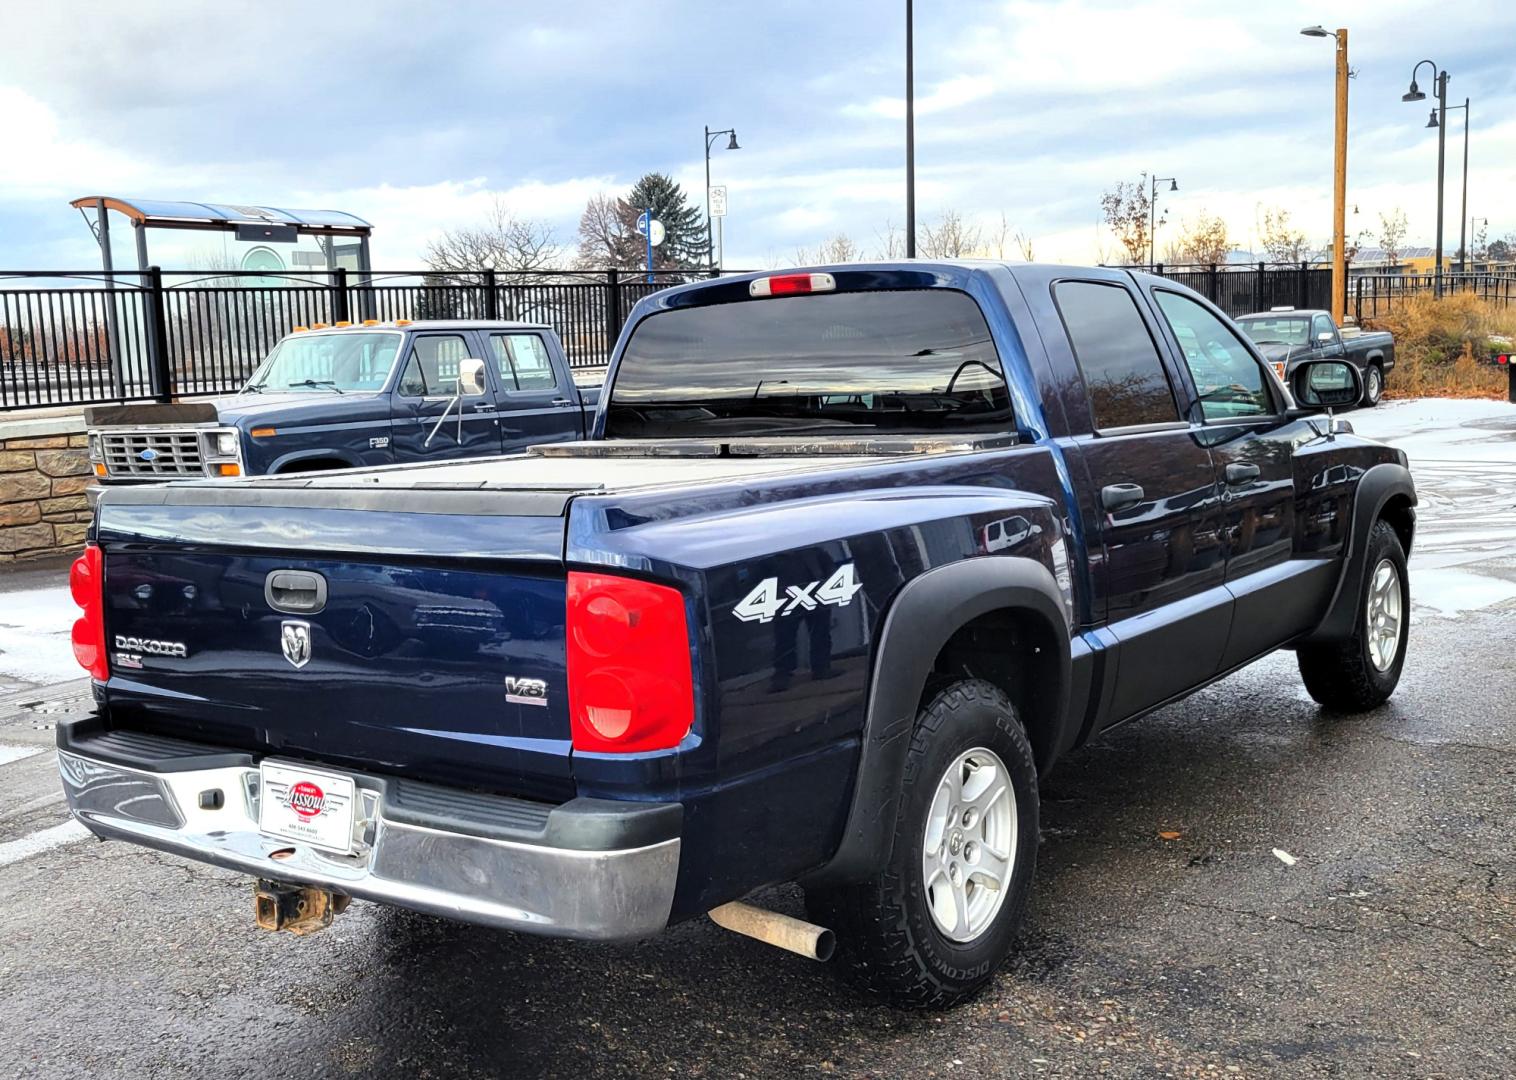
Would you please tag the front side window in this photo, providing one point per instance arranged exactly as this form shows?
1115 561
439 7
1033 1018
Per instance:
1122 371
1229 381
1321 326
916 361
432 370
523 362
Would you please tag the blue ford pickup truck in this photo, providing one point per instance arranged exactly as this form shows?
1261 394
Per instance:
351 395
852 558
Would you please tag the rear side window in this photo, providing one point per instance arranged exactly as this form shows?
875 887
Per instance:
916 361
523 362
1125 377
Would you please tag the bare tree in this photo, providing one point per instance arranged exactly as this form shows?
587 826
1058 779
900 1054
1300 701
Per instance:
1392 228
1279 237
891 241
951 238
608 235
1127 208
839 249
1203 241
513 247
1023 244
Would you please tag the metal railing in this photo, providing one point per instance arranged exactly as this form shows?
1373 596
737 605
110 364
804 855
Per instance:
1240 289
88 337
1374 295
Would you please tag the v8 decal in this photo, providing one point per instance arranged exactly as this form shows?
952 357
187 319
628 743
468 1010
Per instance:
764 602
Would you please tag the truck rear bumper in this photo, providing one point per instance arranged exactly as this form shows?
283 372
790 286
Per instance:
590 869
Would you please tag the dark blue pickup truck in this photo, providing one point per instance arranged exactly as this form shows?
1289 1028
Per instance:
351 395
852 558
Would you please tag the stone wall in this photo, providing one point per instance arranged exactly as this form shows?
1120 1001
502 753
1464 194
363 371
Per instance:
44 469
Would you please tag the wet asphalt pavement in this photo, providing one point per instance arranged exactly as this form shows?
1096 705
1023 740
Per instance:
1387 949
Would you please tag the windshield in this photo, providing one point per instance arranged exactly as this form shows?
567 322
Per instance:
917 361
327 363
1277 331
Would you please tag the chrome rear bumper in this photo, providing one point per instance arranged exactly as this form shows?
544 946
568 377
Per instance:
418 847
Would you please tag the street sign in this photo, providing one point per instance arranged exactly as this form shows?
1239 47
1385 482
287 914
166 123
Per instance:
658 233
718 201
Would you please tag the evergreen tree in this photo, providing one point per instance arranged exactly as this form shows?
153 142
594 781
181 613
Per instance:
684 246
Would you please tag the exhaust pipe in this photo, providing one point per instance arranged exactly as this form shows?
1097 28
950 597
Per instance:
796 935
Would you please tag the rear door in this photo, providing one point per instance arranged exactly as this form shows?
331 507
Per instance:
427 386
1158 566
535 402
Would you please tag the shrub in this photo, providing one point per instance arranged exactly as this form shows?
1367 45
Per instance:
1438 344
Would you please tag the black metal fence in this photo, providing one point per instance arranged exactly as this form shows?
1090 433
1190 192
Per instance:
1239 290
1379 294
80 338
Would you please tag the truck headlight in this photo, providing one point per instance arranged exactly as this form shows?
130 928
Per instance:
95 453
226 444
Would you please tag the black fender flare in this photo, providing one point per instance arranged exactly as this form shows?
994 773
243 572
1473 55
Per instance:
925 614
1378 486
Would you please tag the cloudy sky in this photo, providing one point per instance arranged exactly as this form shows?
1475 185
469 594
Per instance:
413 115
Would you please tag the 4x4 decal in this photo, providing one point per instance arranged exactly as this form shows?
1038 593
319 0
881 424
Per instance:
764 602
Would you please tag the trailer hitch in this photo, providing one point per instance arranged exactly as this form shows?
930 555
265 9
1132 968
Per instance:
300 909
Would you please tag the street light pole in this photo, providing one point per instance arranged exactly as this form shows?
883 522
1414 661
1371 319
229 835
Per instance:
1441 116
711 137
1339 173
1153 212
1463 206
910 134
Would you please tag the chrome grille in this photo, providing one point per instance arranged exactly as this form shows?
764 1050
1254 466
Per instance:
152 453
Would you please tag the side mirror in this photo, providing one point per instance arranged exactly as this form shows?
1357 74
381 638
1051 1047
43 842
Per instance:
1325 337
471 377
1326 384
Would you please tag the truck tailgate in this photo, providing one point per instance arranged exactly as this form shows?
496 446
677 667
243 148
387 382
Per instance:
438 653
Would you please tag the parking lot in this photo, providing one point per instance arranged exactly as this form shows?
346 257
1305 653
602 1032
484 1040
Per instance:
1237 885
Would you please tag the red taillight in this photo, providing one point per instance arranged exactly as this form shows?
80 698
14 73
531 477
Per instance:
791 284
86 581
1502 359
630 685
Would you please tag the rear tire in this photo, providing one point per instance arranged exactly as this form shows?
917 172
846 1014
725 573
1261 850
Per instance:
1362 672
1373 385
931 929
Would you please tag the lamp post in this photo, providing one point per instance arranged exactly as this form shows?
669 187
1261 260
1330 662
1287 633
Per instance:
1463 208
1440 78
1153 212
1339 172
910 134
710 138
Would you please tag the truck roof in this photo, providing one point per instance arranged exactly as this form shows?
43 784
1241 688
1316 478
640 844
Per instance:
1284 312
427 324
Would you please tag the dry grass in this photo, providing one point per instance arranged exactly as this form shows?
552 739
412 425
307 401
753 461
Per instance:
1436 343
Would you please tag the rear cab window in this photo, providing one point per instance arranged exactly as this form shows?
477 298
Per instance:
918 361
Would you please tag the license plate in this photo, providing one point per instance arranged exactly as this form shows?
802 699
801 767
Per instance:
307 805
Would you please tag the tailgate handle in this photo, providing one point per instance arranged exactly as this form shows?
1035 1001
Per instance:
298 592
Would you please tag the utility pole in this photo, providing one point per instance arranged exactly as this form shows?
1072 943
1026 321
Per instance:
910 136
1340 187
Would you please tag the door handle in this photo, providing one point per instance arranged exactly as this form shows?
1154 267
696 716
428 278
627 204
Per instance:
484 406
1241 474
1116 497
562 402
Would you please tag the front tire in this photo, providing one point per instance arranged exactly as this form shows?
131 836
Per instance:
1373 385
933 927
1362 672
